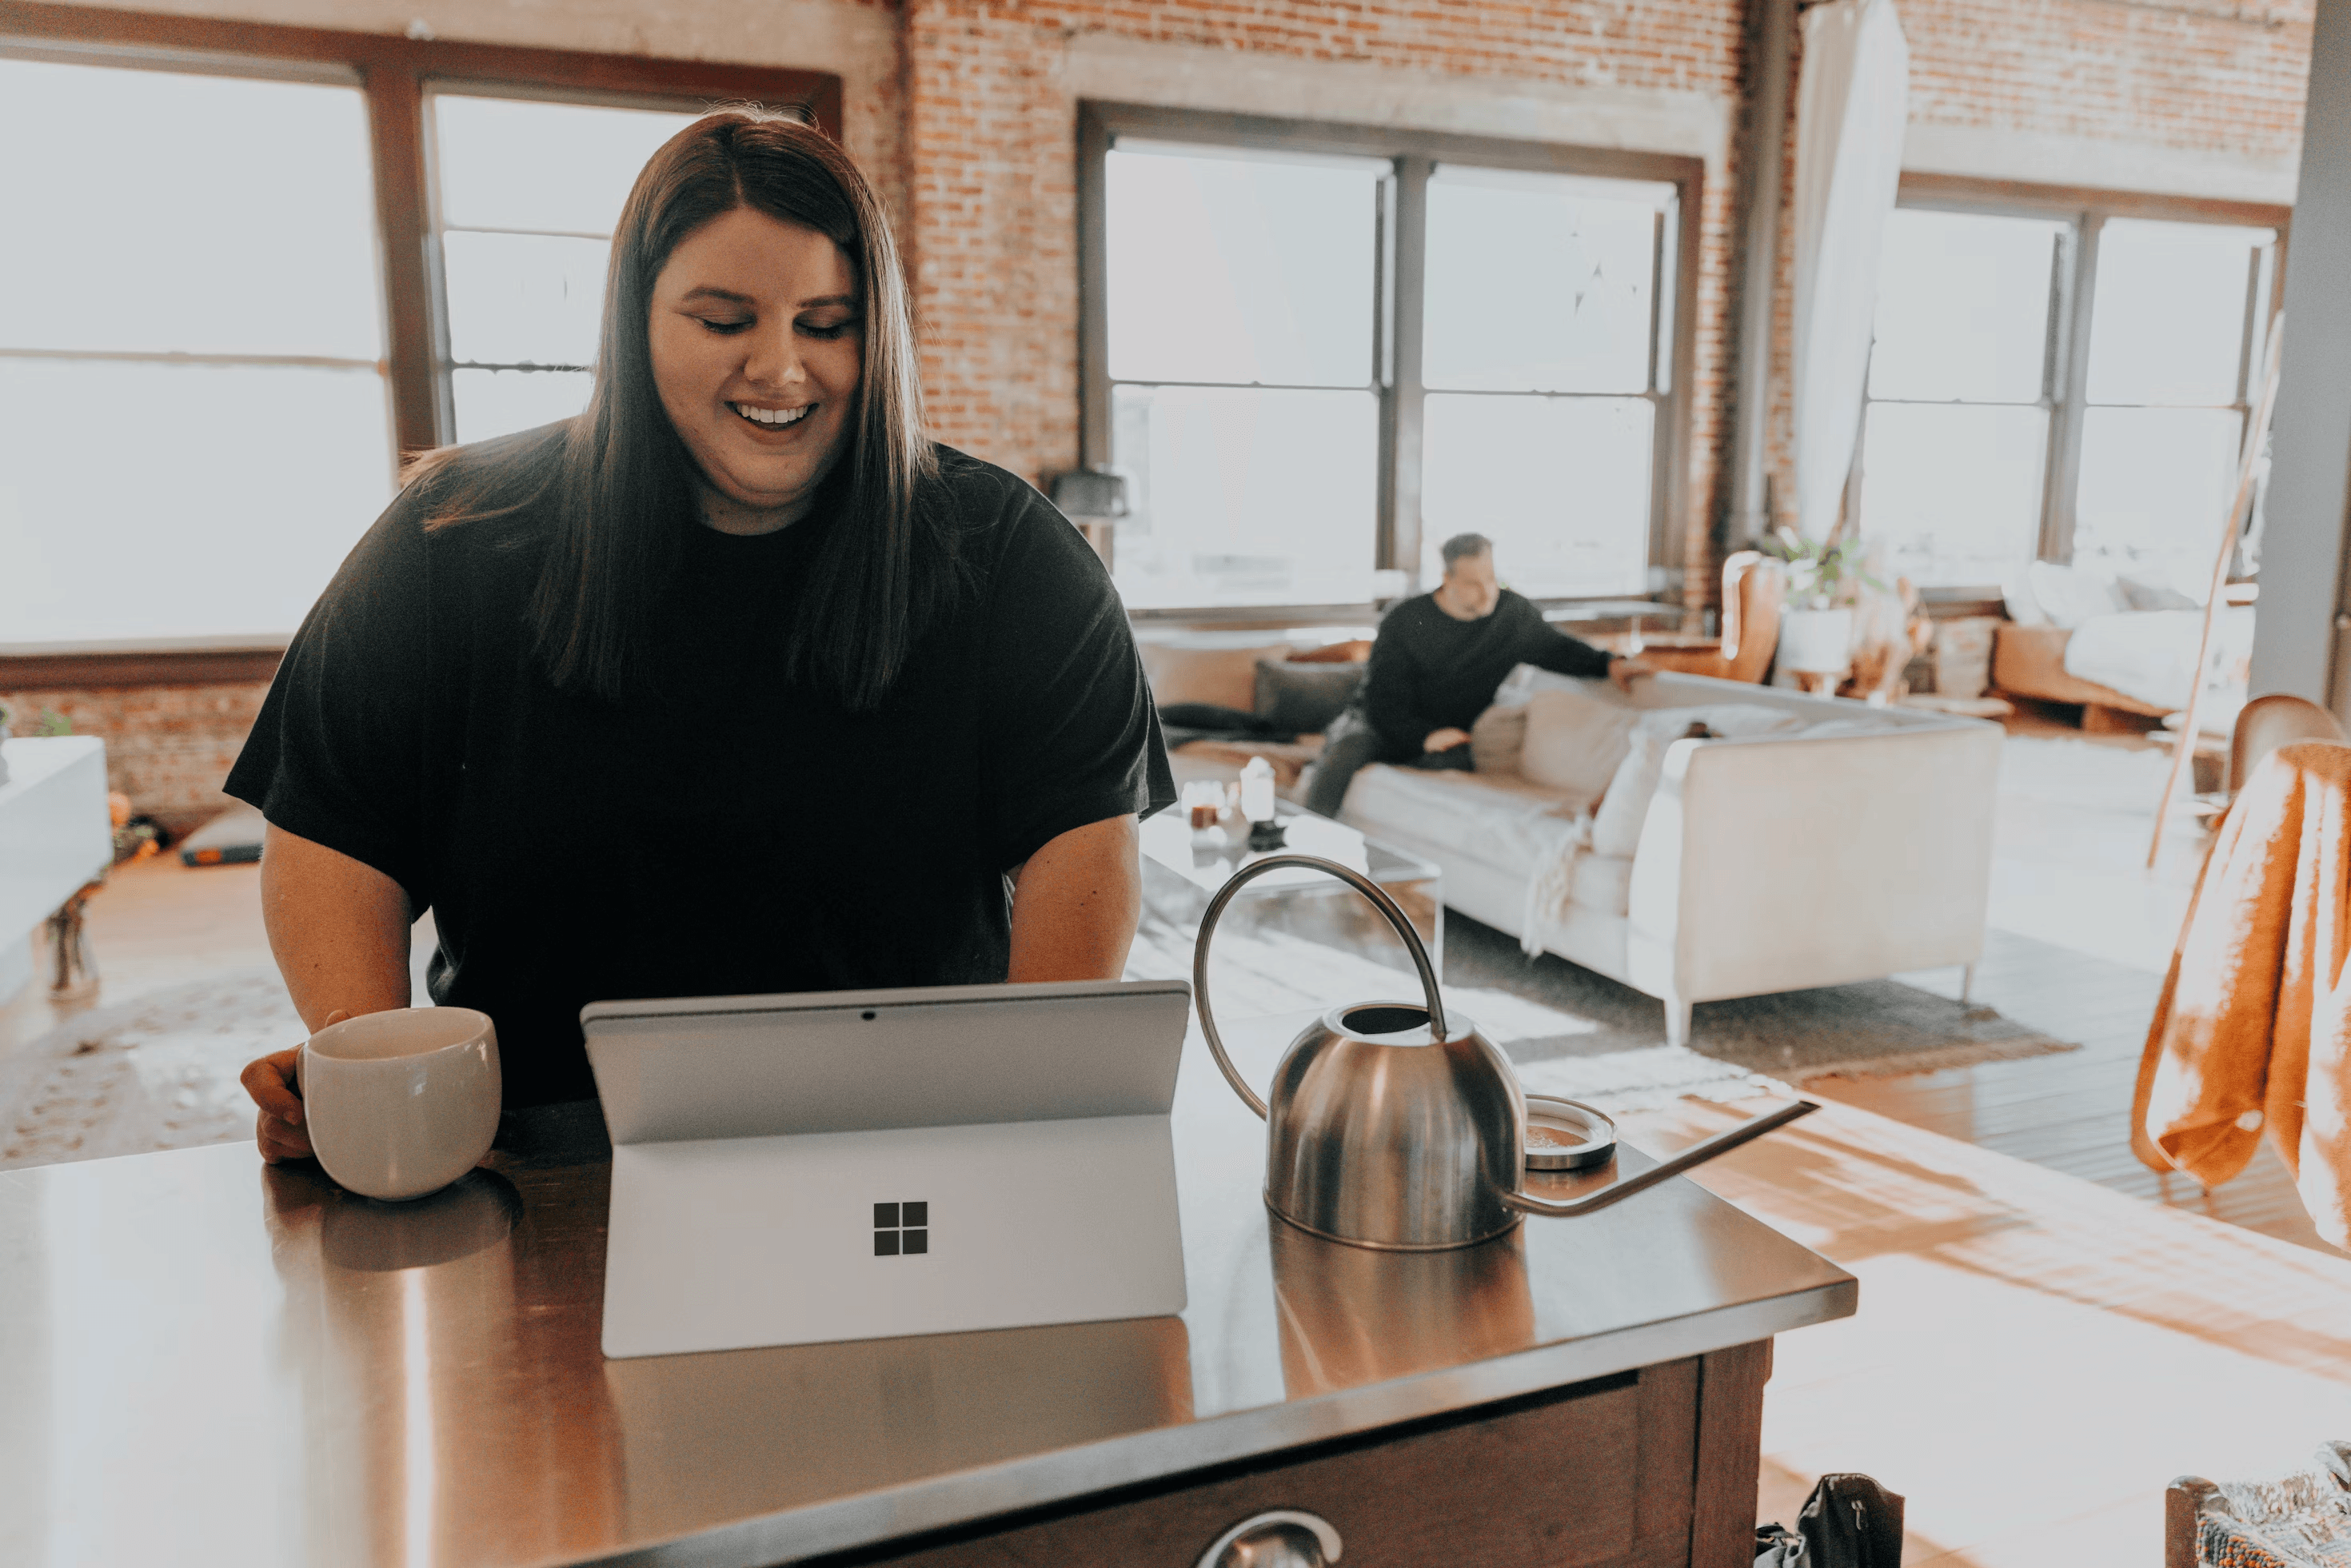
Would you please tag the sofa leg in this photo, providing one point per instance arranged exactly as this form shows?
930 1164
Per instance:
1967 984
1677 1023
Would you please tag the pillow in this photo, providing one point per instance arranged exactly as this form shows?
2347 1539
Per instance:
2016 597
2071 595
1616 826
1304 698
1189 672
2151 590
1574 740
1498 738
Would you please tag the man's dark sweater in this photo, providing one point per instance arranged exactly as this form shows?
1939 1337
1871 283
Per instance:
1430 672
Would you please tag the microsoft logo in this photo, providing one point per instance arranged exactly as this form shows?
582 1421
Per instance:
901 1227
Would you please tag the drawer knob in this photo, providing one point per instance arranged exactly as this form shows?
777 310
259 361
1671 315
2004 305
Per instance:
1281 1538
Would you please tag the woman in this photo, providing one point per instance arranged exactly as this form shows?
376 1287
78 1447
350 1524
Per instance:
733 684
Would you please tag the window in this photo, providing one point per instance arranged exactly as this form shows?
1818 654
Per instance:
195 422
2178 312
1543 370
1316 353
1243 373
2065 383
526 193
281 258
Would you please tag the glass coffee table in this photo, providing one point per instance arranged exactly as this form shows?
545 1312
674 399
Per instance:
1182 871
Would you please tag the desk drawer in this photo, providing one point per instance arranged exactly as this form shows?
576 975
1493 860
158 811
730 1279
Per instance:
1600 1474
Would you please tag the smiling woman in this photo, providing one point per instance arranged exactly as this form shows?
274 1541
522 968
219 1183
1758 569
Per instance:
756 350
887 676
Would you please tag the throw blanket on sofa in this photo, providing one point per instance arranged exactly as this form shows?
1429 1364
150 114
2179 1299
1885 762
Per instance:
2253 1032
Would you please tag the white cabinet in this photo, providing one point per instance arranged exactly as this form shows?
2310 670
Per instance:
55 835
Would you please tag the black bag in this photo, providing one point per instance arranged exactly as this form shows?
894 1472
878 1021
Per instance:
1849 1522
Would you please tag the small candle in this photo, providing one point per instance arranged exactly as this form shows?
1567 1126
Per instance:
1256 791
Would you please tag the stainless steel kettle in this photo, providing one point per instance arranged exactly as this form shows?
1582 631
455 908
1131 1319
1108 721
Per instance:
1391 1126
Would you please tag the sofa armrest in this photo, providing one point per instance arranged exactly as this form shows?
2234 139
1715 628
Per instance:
1773 863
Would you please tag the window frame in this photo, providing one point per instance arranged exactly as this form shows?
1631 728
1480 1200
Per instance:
2065 369
394 74
1397 318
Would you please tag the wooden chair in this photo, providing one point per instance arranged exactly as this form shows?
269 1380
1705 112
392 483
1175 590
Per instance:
2269 722
1754 585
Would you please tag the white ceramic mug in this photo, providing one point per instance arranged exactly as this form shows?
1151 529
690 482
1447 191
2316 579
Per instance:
401 1103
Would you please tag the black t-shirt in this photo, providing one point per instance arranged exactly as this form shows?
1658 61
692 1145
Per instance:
745 833
1429 672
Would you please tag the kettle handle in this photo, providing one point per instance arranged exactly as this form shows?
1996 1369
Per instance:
1698 1153
1353 878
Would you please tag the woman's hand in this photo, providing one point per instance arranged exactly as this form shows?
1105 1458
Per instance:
270 1081
1625 672
1444 739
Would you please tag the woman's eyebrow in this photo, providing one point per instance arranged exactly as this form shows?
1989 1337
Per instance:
708 293
847 299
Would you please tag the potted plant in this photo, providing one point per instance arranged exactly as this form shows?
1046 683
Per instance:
1824 578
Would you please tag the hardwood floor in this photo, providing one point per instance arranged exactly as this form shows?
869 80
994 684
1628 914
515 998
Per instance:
2035 1357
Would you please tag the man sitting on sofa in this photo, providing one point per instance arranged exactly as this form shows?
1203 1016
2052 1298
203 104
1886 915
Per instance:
1435 666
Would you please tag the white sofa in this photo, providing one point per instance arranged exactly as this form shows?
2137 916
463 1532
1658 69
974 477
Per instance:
1856 847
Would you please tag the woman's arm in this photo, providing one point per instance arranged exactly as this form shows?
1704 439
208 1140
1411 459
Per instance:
1075 903
338 929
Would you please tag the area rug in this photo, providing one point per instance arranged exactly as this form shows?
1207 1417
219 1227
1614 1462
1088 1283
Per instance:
158 1072
1548 1011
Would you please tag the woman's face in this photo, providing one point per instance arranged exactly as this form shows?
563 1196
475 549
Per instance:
758 342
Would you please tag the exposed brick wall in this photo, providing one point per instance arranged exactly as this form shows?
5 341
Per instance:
2194 75
993 204
167 748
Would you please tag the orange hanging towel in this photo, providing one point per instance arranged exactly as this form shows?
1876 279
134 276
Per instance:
2254 1033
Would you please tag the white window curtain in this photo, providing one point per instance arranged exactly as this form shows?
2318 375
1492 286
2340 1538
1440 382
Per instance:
1851 107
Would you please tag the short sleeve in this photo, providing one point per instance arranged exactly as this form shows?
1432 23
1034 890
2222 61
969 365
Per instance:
1073 736
337 755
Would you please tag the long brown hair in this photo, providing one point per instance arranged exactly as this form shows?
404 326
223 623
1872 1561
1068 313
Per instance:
621 481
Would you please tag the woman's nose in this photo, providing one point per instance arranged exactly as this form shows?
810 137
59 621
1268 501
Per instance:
773 359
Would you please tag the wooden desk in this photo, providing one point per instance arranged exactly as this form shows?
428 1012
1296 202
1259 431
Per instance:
205 1360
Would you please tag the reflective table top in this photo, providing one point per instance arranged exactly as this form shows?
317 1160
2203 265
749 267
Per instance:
205 1359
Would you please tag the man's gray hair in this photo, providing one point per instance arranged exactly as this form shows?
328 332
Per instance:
1462 547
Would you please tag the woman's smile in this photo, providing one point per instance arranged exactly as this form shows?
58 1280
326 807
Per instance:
770 420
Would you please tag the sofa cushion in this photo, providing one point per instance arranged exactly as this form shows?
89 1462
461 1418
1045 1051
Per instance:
1347 651
1574 740
1732 720
1500 820
1305 698
1602 883
1498 738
